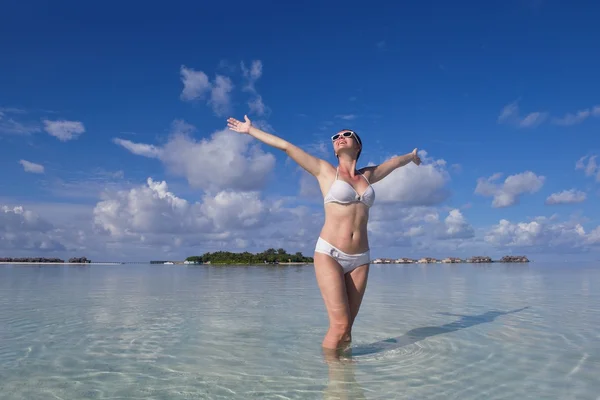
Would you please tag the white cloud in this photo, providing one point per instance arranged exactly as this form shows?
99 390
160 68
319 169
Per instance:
566 197
456 226
509 192
578 117
196 86
572 119
140 149
591 168
235 210
414 185
509 112
10 126
533 119
346 117
24 230
64 130
151 214
251 75
417 228
147 209
220 97
32 167
539 234
510 115
226 160
10 110
593 237
257 106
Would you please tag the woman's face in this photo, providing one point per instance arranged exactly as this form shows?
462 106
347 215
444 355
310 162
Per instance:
344 140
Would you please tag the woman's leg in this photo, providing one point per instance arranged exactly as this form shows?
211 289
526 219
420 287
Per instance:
330 279
356 283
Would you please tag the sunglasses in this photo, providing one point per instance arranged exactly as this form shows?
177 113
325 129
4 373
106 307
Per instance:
345 134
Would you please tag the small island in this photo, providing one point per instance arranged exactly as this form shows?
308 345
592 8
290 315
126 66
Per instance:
43 260
269 256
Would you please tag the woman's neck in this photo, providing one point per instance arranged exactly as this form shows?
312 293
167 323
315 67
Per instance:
347 164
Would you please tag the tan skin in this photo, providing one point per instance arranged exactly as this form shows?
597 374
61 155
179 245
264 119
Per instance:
345 225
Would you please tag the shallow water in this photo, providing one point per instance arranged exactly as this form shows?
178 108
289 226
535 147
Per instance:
499 331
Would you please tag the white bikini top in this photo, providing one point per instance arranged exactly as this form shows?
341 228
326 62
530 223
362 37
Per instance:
342 192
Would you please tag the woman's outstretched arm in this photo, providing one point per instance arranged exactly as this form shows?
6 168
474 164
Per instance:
382 170
310 163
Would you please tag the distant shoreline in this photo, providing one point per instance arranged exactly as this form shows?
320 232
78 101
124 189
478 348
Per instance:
278 263
53 263
253 264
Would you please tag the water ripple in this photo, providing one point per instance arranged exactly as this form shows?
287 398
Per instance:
434 332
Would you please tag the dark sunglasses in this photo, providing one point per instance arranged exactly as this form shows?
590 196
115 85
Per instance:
345 134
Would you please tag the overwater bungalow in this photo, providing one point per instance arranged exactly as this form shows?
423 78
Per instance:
452 260
513 259
480 259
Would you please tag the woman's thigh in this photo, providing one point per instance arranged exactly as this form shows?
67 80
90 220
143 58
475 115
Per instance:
332 284
356 284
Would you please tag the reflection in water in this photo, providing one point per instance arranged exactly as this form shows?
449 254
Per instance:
417 334
342 378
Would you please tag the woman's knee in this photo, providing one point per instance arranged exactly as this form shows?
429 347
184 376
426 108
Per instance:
339 328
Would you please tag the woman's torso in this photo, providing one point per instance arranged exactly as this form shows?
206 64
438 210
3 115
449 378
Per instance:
347 202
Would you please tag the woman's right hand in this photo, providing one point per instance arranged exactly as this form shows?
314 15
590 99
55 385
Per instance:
238 126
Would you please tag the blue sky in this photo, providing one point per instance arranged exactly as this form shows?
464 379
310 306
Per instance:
507 88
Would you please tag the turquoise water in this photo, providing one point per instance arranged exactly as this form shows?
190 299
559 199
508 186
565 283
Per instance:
435 331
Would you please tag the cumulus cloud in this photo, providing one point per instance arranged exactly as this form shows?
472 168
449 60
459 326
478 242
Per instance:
508 193
456 226
147 209
414 185
22 229
196 86
151 213
420 231
589 166
510 115
571 196
540 234
64 130
226 160
34 168
235 210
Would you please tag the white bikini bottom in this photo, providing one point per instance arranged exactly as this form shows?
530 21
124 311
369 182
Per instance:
347 261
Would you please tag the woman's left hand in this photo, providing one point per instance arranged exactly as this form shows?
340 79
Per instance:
416 158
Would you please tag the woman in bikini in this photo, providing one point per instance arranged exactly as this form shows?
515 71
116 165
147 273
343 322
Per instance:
342 255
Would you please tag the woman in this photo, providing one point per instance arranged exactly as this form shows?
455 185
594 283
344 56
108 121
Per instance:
342 255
